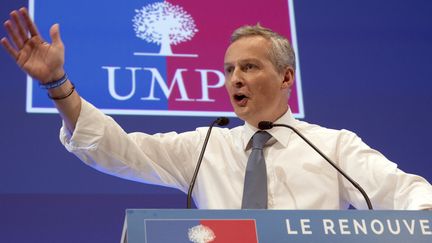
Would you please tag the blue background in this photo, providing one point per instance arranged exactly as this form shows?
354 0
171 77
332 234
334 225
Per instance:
366 66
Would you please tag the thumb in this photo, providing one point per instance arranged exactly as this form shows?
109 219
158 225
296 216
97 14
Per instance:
55 35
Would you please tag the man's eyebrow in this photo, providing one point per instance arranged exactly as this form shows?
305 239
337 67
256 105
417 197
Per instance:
250 60
243 61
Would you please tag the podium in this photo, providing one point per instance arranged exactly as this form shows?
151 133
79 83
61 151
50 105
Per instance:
274 226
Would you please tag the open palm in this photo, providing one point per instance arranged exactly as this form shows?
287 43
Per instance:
41 60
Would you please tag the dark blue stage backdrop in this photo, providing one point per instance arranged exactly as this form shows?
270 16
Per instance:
365 66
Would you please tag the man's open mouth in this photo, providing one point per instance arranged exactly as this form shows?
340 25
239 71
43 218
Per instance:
239 97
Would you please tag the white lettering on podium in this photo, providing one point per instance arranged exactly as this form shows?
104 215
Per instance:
424 225
346 226
377 230
328 226
343 226
358 226
410 227
393 231
289 230
376 226
304 226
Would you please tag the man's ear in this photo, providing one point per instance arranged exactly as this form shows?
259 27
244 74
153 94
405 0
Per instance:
288 78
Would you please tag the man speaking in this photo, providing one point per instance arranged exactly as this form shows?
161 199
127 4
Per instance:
242 167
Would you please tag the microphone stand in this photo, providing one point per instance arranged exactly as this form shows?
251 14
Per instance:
221 121
265 125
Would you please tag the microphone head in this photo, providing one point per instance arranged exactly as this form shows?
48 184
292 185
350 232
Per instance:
222 121
265 125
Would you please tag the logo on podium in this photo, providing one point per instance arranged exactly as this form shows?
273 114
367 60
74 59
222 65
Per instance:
201 230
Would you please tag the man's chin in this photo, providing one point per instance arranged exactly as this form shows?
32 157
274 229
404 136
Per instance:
240 113
245 114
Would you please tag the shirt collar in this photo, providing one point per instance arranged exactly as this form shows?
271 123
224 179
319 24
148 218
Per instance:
281 134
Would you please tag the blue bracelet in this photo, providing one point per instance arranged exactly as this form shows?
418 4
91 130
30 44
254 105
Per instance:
65 96
55 84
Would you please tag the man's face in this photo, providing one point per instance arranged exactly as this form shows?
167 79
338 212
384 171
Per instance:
257 90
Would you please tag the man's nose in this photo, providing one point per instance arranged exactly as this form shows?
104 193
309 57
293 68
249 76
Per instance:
237 79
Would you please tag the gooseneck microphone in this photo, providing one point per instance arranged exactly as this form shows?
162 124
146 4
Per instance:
265 125
221 121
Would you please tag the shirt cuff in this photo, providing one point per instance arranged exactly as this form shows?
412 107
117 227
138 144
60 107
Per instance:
88 131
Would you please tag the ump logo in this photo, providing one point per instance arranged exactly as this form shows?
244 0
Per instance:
154 57
164 24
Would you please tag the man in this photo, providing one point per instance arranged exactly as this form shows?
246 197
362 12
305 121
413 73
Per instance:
259 66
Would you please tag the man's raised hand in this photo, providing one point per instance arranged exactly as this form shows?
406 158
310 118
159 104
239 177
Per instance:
38 58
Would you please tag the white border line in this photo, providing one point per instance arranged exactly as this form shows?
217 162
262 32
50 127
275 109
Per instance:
301 113
149 112
29 88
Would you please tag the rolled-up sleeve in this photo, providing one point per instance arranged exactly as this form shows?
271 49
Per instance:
163 159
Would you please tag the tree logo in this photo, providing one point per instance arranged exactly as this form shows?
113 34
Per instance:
164 24
201 234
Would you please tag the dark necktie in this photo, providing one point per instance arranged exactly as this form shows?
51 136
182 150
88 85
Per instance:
255 184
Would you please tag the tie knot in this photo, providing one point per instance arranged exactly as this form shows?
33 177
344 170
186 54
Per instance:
259 139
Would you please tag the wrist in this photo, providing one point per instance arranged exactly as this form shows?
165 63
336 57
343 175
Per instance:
54 76
56 83
58 74
61 92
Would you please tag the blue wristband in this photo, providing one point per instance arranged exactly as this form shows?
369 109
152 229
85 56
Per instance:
55 84
65 96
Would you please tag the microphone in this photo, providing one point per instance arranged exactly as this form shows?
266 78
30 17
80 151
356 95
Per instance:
221 121
265 125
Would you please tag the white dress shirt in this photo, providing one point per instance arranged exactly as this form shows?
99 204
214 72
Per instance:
298 177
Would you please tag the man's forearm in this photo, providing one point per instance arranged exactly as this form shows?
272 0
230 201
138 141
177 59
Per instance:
68 107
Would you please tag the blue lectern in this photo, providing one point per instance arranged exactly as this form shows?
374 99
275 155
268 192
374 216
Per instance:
272 226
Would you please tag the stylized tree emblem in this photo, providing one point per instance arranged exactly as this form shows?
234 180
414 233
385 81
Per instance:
165 24
201 234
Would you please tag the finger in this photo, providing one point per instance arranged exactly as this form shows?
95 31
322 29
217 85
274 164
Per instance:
30 24
9 48
10 29
25 53
55 35
22 32
34 43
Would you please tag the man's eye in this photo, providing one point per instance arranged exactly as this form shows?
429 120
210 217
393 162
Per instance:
228 70
249 66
